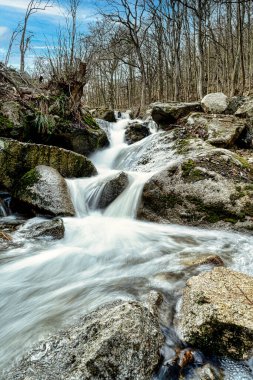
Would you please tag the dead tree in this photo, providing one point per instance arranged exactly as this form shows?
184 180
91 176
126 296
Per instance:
33 6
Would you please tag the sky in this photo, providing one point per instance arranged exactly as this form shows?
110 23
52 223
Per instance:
42 25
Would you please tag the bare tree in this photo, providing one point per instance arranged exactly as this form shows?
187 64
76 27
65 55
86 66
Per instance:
33 6
14 35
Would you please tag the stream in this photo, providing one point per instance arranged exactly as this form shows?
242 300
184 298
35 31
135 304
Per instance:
106 256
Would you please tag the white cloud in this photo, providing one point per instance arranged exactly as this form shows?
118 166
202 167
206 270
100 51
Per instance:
3 30
22 5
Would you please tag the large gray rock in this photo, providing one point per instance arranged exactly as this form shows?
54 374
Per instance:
167 114
112 189
44 190
17 158
216 313
136 132
118 341
53 228
202 185
221 130
215 102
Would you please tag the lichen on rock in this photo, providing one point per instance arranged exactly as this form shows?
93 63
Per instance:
216 313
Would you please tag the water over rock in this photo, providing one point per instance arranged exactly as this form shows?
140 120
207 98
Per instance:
203 185
53 228
17 158
43 190
219 130
136 132
6 241
215 102
112 189
120 340
167 114
216 313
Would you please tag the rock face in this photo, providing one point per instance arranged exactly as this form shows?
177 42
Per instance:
166 114
112 190
221 130
136 132
118 341
12 120
215 102
17 158
44 190
216 313
203 185
53 228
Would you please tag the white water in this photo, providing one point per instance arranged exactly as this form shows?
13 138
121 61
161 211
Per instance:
105 256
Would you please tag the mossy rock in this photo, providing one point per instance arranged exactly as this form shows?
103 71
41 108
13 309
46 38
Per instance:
17 158
204 186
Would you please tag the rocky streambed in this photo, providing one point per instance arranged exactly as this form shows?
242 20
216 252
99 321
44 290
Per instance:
168 296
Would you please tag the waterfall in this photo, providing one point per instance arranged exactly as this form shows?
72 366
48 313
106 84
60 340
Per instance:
107 254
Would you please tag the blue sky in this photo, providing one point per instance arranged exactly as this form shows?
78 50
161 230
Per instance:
43 25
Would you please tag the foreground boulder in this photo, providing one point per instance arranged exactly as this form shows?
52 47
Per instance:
167 114
43 190
202 185
216 313
118 341
17 158
112 189
215 102
221 130
53 228
136 132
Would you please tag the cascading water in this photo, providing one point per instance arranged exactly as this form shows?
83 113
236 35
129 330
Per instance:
107 255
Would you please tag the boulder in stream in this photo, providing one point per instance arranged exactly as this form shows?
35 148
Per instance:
167 114
136 132
215 102
119 341
112 189
202 185
43 190
216 313
104 114
219 130
17 158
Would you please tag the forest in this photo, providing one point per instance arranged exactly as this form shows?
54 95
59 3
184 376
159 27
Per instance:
142 51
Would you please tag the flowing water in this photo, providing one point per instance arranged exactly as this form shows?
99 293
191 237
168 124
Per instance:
107 255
